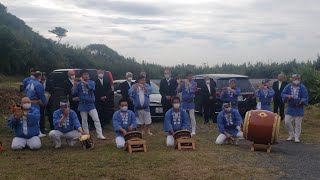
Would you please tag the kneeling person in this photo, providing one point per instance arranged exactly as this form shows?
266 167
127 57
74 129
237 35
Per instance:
124 121
26 127
229 121
176 119
66 125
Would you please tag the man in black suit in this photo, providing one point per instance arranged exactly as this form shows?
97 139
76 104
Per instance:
168 89
124 87
278 87
102 95
208 93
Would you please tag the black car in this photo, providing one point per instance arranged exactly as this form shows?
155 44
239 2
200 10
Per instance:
246 100
55 84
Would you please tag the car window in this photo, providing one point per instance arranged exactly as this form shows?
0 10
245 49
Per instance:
155 88
243 84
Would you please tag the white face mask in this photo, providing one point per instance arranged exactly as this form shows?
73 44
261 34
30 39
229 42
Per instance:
32 76
129 79
207 81
100 75
176 105
124 108
26 106
296 82
72 77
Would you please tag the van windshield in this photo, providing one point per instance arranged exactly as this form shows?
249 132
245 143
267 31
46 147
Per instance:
155 88
243 83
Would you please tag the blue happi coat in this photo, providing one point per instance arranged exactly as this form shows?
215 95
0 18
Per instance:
71 123
31 125
294 108
35 91
86 95
123 121
228 122
265 97
188 94
176 123
230 96
25 82
134 94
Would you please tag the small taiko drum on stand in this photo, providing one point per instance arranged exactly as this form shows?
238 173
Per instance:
261 128
86 142
183 140
134 142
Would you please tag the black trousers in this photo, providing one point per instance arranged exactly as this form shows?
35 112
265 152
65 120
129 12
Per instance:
42 118
278 104
105 115
209 111
50 111
166 105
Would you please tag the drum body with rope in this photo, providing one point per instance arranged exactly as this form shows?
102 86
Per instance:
133 135
261 127
86 142
183 134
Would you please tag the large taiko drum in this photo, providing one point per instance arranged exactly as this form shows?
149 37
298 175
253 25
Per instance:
133 135
183 134
261 127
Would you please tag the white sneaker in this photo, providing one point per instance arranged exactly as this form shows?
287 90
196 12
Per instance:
193 133
290 138
102 137
296 140
41 135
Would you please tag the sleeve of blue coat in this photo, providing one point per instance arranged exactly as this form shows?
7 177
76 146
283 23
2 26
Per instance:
220 123
91 85
257 93
185 120
305 96
237 91
75 120
149 89
10 122
167 122
40 89
24 83
116 122
284 93
271 92
194 87
33 117
134 120
56 118
238 118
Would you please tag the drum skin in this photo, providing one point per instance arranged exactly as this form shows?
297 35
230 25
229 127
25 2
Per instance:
133 135
261 127
182 134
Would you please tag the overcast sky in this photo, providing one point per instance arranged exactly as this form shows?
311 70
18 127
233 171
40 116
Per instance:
183 31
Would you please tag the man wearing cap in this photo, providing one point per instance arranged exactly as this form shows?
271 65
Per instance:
26 127
66 125
124 87
296 95
231 93
140 93
124 121
25 82
228 121
175 119
84 89
265 94
188 88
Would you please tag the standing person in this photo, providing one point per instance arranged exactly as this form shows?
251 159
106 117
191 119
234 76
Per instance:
69 83
66 125
175 119
228 121
124 121
168 89
265 94
124 87
84 89
144 74
43 81
231 93
26 127
102 95
296 95
140 93
278 87
208 93
188 88
25 82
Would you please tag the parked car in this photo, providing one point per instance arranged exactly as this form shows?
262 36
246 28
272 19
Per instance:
56 79
156 109
247 99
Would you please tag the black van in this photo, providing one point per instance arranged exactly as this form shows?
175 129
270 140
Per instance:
247 99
